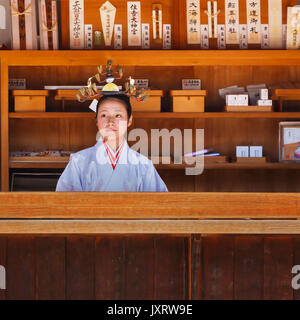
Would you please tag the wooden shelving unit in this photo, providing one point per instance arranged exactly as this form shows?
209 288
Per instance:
225 129
162 115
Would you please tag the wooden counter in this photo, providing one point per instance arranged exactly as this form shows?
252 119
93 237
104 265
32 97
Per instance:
152 213
149 245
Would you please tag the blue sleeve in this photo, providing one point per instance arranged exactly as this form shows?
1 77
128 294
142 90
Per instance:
151 181
70 178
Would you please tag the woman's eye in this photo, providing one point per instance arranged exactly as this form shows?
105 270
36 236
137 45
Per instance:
118 116
103 115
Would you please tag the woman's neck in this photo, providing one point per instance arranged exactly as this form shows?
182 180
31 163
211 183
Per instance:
115 143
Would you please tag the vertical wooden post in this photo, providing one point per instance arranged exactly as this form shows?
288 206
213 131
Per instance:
4 126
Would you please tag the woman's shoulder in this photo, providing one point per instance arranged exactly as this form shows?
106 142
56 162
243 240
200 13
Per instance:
82 154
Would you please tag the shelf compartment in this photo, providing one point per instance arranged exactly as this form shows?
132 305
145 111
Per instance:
161 115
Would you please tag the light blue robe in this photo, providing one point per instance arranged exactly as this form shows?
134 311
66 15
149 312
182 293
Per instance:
91 170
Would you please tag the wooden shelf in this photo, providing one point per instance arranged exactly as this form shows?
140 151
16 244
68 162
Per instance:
159 115
61 163
152 57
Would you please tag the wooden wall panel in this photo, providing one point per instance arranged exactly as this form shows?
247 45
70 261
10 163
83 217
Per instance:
296 261
218 262
20 269
170 271
80 268
248 268
278 257
3 245
50 268
139 268
109 268
150 267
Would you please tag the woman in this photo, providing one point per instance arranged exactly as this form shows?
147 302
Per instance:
110 165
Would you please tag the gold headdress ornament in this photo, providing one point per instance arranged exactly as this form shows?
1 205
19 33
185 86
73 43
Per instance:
91 90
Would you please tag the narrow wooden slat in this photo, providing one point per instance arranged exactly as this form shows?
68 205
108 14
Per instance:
80 268
139 266
3 244
218 267
20 268
153 58
50 268
149 226
248 268
109 268
149 205
278 257
170 270
196 267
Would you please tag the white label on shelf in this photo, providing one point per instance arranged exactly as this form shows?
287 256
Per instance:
88 36
221 36
118 36
142 84
191 84
265 44
204 37
232 21
134 23
145 36
253 21
243 36
167 40
291 135
193 21
17 84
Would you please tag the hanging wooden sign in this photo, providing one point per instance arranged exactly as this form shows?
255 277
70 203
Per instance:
193 21
275 24
293 28
76 14
157 22
265 37
134 23
232 21
48 25
24 34
212 13
204 37
253 21
5 24
108 14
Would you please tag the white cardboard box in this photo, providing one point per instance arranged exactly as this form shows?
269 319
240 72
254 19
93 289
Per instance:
256 151
242 151
264 94
264 102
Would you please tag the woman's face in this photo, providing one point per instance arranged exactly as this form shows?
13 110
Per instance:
112 120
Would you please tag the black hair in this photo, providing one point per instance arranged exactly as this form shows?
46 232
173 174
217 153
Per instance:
123 98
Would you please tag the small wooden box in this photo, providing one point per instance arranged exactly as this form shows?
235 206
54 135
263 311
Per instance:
249 108
30 100
188 100
151 104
